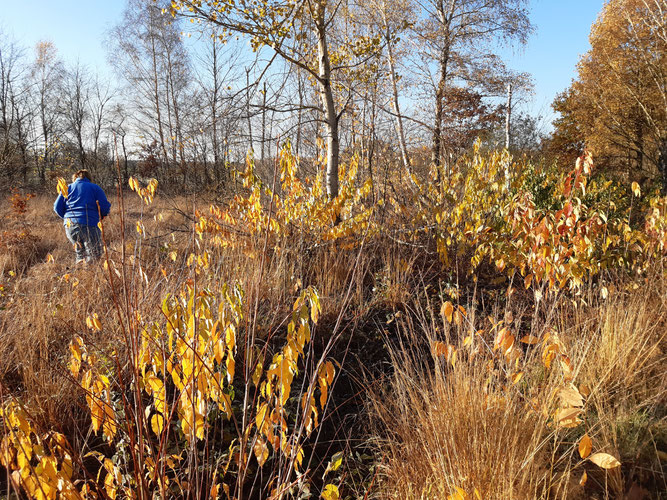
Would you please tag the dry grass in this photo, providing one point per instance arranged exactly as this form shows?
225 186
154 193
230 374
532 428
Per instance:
47 298
445 427
438 426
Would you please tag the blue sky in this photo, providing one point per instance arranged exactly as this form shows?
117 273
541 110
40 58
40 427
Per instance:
77 28
561 37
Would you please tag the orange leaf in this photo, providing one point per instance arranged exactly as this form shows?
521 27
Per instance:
585 446
447 310
584 478
527 281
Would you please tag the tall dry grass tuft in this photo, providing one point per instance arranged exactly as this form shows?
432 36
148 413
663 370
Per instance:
452 424
621 349
446 428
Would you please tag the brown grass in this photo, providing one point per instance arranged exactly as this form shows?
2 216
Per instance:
445 427
437 427
47 298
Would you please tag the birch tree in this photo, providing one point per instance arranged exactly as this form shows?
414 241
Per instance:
457 36
47 74
300 32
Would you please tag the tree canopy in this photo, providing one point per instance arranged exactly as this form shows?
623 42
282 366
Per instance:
617 105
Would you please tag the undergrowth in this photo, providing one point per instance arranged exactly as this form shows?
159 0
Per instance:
453 337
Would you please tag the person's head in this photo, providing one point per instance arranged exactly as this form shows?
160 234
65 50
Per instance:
81 174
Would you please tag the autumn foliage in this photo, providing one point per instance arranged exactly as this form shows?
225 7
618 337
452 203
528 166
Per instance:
203 390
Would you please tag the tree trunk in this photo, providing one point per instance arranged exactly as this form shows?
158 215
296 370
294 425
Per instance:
261 154
331 117
436 154
508 116
395 103
156 101
214 110
437 126
247 80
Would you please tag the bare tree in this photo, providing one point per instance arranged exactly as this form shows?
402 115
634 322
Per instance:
12 108
457 36
99 103
74 107
47 74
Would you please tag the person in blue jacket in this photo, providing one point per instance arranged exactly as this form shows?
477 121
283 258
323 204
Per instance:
82 209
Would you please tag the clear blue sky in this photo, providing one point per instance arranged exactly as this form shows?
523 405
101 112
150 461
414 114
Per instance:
76 27
560 38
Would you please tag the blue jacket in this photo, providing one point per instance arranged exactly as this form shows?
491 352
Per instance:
80 207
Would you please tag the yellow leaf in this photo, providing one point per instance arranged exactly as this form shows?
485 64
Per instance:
330 492
109 426
96 414
261 452
447 310
75 347
459 494
636 190
231 364
585 446
604 460
298 459
155 384
517 377
157 423
230 338
49 258
62 187
93 322
584 478
336 461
